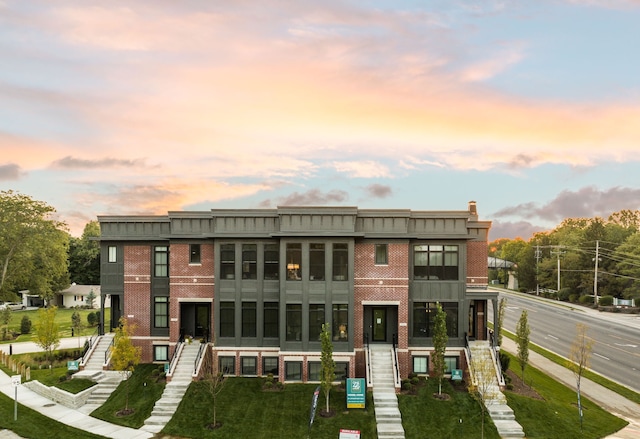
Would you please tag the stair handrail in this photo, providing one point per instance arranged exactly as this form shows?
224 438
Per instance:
396 375
199 358
89 346
467 352
496 360
107 353
174 358
367 353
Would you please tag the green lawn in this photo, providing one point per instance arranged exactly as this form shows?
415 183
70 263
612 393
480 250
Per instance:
63 319
460 417
144 391
247 411
557 415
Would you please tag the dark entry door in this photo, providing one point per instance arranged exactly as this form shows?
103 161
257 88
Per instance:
379 324
202 321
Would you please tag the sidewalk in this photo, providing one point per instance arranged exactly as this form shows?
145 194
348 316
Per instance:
58 412
605 398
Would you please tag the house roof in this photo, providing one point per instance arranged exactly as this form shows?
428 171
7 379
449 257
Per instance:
81 290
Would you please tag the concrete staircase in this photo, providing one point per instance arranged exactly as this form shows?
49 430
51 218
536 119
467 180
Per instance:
93 370
388 417
168 403
495 401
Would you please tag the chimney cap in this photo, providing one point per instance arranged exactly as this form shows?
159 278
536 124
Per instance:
472 208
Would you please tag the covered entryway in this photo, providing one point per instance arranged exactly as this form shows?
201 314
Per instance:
380 322
195 320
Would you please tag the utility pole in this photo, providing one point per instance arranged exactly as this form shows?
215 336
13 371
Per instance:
558 252
595 275
538 255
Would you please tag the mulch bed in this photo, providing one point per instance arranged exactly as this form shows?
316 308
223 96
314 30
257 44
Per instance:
522 388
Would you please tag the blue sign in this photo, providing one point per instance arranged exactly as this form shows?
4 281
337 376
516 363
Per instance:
456 374
356 393
73 365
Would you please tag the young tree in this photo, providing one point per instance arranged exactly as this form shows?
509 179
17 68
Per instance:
483 382
76 324
502 306
214 380
125 356
33 247
328 366
47 336
5 317
522 341
90 299
579 359
440 339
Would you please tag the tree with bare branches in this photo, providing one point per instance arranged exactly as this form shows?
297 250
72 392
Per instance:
214 380
579 358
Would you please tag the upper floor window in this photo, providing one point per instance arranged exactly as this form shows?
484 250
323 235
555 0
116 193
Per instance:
340 262
435 262
249 261
294 261
271 320
228 261
227 319
316 320
340 322
161 261
316 262
194 254
113 254
382 255
161 312
271 261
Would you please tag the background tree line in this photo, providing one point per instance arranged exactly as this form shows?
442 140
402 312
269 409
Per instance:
576 241
38 254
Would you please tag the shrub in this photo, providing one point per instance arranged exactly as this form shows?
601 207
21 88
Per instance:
25 325
91 319
505 360
586 299
606 301
564 294
573 298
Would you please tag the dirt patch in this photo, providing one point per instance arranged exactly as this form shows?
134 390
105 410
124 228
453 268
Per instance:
516 385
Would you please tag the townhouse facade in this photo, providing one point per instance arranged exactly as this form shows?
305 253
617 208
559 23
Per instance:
259 284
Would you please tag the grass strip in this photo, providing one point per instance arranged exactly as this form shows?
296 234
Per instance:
144 391
245 410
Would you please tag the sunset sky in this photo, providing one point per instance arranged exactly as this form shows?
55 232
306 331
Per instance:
530 108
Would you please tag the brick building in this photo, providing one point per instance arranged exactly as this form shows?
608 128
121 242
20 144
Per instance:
259 284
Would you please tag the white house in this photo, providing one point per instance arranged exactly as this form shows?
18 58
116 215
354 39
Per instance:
76 295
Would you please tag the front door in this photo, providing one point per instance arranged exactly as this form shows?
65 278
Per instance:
379 324
202 321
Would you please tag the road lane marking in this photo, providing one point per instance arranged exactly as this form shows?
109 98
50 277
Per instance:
601 356
626 345
551 336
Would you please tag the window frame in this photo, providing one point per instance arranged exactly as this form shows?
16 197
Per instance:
157 302
156 357
266 371
294 261
244 367
288 373
317 263
316 314
227 319
249 316
271 263
340 318
112 254
420 358
250 261
228 261
222 367
160 261
195 254
293 321
271 328
436 262
340 262
381 254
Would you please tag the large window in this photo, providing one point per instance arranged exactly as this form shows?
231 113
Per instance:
160 353
270 366
227 365
271 329
316 262
420 365
435 262
294 322
294 261
316 320
293 370
314 370
161 312
227 319
340 262
249 261
228 261
249 365
424 314
382 254
450 363
161 261
248 319
271 261
340 322
194 254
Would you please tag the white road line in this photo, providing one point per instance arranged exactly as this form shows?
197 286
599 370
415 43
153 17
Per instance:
601 356
551 336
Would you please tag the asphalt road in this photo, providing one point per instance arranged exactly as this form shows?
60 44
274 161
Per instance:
616 337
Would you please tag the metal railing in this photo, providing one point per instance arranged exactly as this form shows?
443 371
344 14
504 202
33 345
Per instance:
174 357
107 353
88 345
196 363
496 358
367 353
394 342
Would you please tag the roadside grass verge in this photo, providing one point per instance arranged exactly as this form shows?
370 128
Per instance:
144 391
245 410
557 416
590 375
459 417
31 424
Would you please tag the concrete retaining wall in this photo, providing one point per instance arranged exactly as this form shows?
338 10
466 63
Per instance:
71 400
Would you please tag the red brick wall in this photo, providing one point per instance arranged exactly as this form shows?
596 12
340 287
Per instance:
477 267
137 288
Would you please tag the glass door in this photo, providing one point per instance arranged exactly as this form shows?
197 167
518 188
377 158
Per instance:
379 324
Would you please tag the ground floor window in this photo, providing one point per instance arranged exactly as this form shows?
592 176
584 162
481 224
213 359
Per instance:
270 366
293 370
424 318
315 371
420 365
451 363
227 365
249 365
161 312
160 353
342 370
316 320
294 322
340 322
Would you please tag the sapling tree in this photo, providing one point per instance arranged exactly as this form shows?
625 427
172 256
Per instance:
579 358
440 339
124 355
47 335
522 341
327 365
